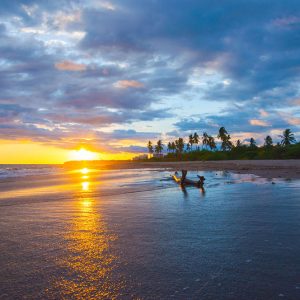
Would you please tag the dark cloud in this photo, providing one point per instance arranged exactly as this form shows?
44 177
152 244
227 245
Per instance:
239 121
77 66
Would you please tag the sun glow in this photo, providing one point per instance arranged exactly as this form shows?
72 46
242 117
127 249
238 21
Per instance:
85 186
84 171
83 154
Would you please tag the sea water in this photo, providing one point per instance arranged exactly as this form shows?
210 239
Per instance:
136 234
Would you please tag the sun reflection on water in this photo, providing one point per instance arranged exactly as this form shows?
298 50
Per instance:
89 263
85 186
85 171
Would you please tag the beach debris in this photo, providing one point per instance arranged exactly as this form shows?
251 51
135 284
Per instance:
185 181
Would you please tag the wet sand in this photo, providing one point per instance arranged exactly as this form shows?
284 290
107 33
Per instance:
264 168
135 234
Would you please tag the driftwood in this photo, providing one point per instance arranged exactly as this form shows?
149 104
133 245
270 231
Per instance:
185 181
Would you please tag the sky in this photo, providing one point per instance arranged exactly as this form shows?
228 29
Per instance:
107 76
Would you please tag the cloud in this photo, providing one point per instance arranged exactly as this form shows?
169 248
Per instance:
263 113
296 102
237 122
294 121
256 122
69 66
124 84
73 66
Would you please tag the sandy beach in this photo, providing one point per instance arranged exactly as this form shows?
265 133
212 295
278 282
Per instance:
264 168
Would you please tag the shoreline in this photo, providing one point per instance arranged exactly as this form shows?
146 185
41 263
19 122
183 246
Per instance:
289 169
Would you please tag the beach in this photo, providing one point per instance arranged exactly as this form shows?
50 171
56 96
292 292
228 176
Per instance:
133 233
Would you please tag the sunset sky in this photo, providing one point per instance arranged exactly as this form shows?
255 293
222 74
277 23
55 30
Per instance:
107 76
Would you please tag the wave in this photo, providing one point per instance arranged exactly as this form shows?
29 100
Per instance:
13 171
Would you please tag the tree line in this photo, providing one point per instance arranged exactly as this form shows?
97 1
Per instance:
226 149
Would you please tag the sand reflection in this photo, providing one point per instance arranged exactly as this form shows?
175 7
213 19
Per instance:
89 264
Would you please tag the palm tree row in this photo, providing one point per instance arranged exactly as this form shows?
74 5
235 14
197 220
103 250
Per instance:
158 148
208 142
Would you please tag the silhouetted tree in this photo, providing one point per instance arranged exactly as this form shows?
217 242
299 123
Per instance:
159 146
205 139
169 147
191 140
196 138
173 147
287 137
252 143
222 133
211 143
225 138
188 147
238 143
150 147
179 145
268 142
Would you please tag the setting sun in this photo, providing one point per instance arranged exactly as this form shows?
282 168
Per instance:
83 154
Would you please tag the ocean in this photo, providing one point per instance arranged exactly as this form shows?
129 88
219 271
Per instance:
136 234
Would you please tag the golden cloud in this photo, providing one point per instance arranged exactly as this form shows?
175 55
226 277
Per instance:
263 113
124 84
256 122
69 66
293 121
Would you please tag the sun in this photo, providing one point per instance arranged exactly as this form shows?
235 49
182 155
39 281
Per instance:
83 154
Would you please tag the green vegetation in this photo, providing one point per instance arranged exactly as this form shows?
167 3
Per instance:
226 150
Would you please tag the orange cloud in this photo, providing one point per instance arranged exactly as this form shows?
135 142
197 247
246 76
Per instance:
263 113
296 102
293 121
256 122
69 66
124 84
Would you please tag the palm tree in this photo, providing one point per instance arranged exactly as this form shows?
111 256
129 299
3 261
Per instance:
205 139
196 138
191 141
287 137
252 143
211 143
159 146
225 138
179 145
169 147
268 142
222 133
173 147
228 143
150 147
188 147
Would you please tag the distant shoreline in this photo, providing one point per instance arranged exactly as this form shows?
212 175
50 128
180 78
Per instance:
264 168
